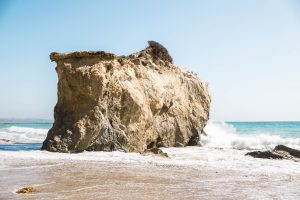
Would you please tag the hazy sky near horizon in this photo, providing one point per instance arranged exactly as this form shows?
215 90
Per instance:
248 51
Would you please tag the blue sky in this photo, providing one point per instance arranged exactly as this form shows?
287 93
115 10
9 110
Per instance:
248 51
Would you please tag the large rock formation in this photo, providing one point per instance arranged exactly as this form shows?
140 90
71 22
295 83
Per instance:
131 103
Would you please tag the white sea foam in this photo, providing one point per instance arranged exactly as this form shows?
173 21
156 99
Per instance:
192 157
222 135
16 134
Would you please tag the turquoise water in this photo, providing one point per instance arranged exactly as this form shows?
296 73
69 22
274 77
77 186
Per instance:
29 135
283 129
37 125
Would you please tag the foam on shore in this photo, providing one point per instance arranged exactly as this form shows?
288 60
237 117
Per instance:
196 157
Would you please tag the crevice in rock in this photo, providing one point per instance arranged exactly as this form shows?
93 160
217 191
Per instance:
159 142
165 108
178 135
151 145
194 140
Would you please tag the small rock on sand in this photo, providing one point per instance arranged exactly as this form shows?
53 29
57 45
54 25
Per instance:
26 190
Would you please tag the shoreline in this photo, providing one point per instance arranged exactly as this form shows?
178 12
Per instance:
116 175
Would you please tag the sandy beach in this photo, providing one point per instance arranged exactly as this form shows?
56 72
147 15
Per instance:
66 176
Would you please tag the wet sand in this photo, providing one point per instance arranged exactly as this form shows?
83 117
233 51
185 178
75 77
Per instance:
72 179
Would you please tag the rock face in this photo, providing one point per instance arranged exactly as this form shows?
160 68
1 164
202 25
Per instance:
292 152
130 103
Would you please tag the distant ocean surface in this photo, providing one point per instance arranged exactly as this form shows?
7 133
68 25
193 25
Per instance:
29 134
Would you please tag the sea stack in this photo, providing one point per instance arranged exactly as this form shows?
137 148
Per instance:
129 103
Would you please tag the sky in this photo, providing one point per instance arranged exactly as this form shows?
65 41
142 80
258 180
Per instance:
247 51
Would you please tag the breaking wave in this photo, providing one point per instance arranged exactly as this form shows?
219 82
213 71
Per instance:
223 135
15 134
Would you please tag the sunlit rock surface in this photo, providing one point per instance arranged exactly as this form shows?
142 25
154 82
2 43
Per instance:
130 103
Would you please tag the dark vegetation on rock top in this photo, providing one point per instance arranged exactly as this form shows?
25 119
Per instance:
159 51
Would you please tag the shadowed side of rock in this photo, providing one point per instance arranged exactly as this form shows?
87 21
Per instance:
292 152
130 103
265 154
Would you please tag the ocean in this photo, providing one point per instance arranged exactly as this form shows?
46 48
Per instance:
18 135
21 135
217 167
